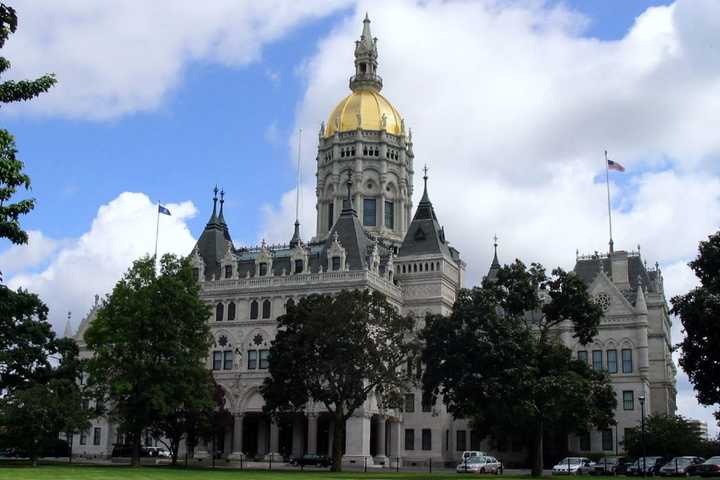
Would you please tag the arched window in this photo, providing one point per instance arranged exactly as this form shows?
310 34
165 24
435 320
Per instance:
403 269
231 311
253 310
219 312
414 267
432 267
266 309
290 303
426 267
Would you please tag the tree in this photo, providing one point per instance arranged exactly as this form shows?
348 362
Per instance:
699 312
149 336
498 359
195 397
667 436
336 350
11 174
38 411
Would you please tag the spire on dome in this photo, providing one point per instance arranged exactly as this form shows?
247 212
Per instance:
366 61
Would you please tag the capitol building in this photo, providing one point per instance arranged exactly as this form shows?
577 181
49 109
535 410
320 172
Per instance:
370 236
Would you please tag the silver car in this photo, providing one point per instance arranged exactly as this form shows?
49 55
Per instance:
479 465
573 466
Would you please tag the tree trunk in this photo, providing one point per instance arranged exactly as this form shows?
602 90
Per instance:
537 464
338 439
174 447
135 460
69 439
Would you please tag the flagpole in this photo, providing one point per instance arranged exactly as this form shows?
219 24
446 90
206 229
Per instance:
157 231
607 184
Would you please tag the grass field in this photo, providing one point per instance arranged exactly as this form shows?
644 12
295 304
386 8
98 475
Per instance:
79 472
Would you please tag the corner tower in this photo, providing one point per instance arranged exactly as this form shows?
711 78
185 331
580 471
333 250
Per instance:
366 136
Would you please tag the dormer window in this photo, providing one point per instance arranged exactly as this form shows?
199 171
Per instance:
298 266
263 269
336 263
228 271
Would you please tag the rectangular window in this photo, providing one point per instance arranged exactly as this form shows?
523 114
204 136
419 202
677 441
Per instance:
227 360
474 440
409 403
389 214
331 215
264 356
627 433
597 359
217 360
263 269
252 359
228 271
298 266
426 439
460 441
83 438
335 263
585 442
447 440
582 356
607 440
418 368
628 400
612 365
428 401
369 212
96 436
409 439
627 360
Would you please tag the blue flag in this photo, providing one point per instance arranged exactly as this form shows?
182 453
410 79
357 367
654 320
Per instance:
163 210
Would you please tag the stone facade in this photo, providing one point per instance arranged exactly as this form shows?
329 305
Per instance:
367 237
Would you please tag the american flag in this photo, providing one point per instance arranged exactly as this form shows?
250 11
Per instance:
615 166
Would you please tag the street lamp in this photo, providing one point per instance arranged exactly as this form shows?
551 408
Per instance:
642 431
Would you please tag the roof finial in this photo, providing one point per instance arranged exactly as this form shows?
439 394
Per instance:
425 176
221 217
495 262
213 217
349 187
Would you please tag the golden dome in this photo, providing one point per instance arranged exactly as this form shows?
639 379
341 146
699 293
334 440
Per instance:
364 108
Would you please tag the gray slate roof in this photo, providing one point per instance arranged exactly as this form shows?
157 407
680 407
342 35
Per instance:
425 235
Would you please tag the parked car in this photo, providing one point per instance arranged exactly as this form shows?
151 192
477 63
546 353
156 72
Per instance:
650 466
573 466
606 466
475 464
709 468
680 466
472 453
311 459
163 452
623 465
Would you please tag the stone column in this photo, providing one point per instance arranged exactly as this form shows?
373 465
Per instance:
262 436
312 433
237 446
380 442
274 437
394 439
357 440
201 450
331 437
297 438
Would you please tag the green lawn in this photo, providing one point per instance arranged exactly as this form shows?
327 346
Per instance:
80 472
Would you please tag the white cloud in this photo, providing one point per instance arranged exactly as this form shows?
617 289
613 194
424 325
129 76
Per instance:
278 220
511 108
114 58
21 257
122 231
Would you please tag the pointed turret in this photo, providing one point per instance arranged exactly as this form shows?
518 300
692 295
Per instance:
212 244
295 240
495 265
424 235
349 233
640 303
68 327
366 61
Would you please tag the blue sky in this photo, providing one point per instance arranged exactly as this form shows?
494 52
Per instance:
511 104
